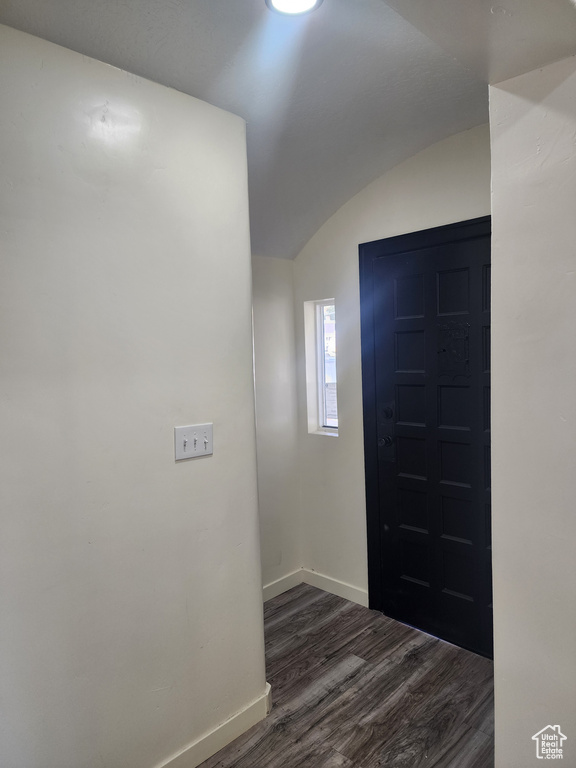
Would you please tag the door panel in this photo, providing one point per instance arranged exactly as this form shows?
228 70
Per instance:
426 384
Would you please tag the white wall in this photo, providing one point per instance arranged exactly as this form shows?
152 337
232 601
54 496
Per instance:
276 416
445 183
533 123
131 595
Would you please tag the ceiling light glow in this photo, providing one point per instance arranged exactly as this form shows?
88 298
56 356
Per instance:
293 6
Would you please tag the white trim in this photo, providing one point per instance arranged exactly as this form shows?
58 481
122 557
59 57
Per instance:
335 587
268 698
326 431
212 742
276 588
311 365
319 580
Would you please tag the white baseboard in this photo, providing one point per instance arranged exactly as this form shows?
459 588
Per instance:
206 746
335 587
315 579
268 698
276 588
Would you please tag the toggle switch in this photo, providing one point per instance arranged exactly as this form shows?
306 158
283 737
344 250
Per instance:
193 441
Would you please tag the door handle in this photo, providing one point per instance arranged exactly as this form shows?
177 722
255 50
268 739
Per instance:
386 441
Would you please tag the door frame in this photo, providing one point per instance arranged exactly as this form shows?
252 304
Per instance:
368 252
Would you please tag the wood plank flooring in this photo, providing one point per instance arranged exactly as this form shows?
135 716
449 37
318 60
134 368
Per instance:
354 689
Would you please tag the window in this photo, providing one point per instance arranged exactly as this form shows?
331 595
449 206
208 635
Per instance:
320 330
326 337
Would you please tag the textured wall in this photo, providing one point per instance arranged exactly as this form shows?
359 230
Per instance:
447 182
533 124
131 596
276 417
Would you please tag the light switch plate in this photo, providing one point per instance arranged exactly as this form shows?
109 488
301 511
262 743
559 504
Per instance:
193 441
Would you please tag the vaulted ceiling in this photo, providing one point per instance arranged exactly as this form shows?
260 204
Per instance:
332 99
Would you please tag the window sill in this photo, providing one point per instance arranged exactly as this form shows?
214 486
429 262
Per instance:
326 431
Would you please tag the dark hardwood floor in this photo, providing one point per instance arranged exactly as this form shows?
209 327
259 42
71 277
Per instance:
354 689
